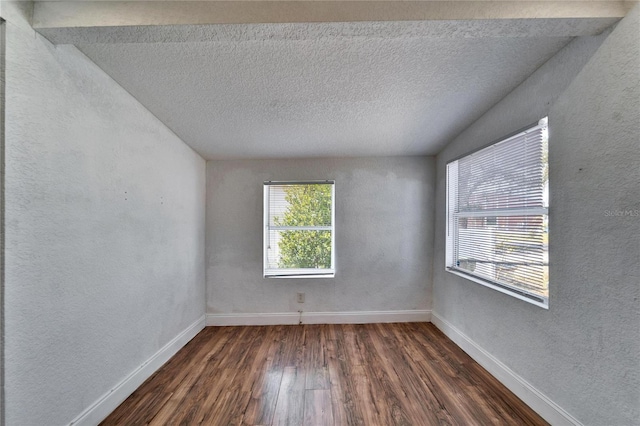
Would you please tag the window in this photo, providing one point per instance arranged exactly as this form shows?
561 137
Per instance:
299 234
497 216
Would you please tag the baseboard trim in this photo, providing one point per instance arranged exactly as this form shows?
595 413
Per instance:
540 403
287 318
108 402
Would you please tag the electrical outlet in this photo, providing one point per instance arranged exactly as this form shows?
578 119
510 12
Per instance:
300 297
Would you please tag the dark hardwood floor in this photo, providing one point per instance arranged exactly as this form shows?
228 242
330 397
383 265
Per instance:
372 374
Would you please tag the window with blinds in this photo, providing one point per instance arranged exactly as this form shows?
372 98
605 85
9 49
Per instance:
299 232
497 216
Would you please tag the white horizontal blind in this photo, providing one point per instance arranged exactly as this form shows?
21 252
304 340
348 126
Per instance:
498 214
299 228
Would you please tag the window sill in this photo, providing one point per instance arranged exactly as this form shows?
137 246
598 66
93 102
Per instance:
301 276
299 273
540 301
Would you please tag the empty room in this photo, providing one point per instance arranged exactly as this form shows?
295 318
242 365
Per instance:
320 213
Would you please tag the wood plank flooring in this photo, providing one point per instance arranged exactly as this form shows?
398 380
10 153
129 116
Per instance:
372 374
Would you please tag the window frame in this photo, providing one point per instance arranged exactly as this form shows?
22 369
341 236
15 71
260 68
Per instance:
451 216
293 272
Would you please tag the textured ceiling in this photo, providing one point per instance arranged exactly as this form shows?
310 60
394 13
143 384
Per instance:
297 95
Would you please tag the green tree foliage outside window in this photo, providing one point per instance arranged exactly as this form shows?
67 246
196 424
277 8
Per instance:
308 205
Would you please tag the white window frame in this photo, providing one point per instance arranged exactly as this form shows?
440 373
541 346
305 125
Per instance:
291 272
451 216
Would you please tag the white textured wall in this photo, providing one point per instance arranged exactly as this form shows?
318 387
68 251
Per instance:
2 66
584 352
384 230
104 232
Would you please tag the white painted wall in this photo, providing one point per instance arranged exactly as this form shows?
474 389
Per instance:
104 232
384 233
584 352
2 67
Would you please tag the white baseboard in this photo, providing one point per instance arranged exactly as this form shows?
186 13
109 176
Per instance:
540 403
287 318
108 402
